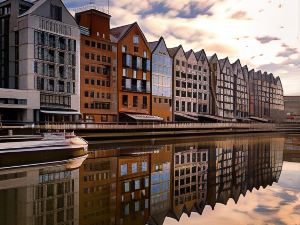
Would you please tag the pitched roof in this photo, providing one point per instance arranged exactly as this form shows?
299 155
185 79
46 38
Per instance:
200 53
188 54
173 51
36 4
153 45
119 32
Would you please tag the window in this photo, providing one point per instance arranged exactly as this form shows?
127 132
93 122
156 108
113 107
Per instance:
124 48
123 169
145 102
125 100
126 187
144 166
136 49
135 101
137 184
136 40
134 168
56 12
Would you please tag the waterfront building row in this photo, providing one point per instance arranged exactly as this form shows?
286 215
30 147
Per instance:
60 68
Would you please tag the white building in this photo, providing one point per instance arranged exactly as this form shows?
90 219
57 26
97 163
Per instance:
44 53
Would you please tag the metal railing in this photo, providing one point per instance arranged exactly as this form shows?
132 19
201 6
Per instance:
154 126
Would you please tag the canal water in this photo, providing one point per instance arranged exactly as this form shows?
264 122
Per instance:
243 179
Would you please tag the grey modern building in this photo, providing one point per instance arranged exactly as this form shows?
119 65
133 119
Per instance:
39 75
161 80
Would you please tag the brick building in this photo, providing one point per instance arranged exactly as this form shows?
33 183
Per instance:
98 67
134 74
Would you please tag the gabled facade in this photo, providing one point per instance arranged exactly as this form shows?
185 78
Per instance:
266 95
226 83
203 83
161 80
277 102
241 96
180 96
134 66
193 108
216 96
98 68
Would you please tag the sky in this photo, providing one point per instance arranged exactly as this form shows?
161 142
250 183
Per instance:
263 34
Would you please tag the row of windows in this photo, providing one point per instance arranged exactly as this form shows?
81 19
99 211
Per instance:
103 83
98 45
98 58
51 70
54 56
190 66
134 185
190 76
56 100
105 70
49 40
97 95
13 101
134 168
55 85
185 94
135 85
135 101
97 105
187 106
136 63
184 84
161 100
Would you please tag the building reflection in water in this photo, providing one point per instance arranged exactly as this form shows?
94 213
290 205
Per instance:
40 195
142 184
147 185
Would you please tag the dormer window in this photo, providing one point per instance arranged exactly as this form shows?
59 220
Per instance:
56 12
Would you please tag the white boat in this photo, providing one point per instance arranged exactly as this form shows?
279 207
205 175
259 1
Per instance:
54 146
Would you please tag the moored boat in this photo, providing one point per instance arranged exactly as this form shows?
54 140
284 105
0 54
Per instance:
53 147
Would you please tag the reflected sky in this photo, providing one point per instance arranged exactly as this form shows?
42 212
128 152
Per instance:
277 204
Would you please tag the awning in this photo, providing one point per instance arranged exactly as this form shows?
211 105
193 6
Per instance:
216 118
259 119
60 112
186 116
142 117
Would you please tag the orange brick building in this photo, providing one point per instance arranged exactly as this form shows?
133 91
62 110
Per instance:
134 76
98 62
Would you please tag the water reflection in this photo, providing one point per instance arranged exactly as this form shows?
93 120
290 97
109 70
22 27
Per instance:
45 194
159 181
141 184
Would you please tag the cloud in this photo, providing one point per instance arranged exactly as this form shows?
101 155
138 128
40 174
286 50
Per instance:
240 15
267 39
288 51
